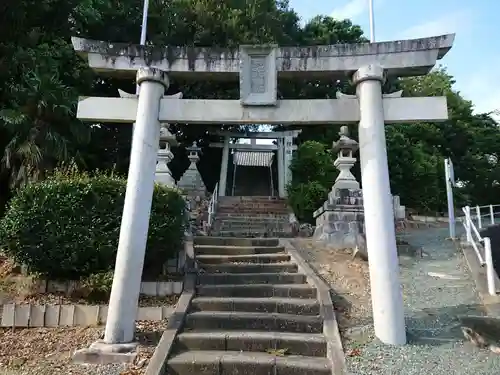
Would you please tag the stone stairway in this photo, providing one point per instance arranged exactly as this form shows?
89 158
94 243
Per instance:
252 216
253 312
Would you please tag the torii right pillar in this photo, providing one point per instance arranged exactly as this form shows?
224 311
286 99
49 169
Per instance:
387 298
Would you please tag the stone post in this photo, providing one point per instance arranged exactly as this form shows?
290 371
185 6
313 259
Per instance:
122 312
281 168
223 168
163 175
288 159
387 299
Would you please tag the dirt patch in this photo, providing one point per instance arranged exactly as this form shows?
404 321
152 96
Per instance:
47 351
349 279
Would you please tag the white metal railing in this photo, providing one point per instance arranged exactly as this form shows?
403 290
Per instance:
212 206
475 218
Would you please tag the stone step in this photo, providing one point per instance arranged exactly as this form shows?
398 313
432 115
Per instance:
269 305
259 227
225 362
256 321
245 198
260 219
242 258
252 211
251 223
236 250
252 215
257 291
310 344
249 267
254 233
244 242
251 278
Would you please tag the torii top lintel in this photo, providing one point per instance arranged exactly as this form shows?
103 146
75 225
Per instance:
400 58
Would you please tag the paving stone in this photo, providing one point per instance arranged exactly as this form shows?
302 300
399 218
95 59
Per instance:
271 305
252 258
257 290
252 278
247 364
250 268
302 366
254 321
195 362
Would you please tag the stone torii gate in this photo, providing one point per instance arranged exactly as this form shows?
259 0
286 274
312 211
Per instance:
258 69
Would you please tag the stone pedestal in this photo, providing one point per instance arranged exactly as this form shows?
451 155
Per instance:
340 221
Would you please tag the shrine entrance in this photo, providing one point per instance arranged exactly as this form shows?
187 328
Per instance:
252 173
250 169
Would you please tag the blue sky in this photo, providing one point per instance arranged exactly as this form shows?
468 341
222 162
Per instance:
474 60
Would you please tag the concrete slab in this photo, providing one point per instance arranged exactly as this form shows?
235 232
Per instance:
8 315
22 315
37 318
67 316
149 288
149 313
86 315
52 313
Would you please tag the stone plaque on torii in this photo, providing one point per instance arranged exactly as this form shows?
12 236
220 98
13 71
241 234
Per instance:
368 64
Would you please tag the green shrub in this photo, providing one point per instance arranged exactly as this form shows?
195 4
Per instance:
313 176
67 227
305 198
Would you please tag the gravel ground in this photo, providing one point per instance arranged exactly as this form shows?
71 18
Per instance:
48 351
432 305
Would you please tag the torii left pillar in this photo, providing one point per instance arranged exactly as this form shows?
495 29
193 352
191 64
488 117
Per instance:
122 311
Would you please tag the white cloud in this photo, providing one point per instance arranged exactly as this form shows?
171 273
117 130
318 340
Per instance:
447 24
350 10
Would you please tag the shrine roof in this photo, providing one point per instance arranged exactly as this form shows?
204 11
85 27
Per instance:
253 159
400 58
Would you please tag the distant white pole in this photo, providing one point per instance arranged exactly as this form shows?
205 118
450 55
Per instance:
144 26
372 21
449 177
144 30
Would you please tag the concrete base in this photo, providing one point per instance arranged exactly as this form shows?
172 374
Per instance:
100 353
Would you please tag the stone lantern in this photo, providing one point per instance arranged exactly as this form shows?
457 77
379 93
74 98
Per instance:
345 148
191 181
163 175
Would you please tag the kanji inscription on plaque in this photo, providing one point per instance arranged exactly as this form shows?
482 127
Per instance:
258 75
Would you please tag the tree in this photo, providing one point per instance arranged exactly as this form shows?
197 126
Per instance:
417 151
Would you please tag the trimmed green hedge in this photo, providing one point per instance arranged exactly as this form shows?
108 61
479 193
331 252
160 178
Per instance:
67 227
